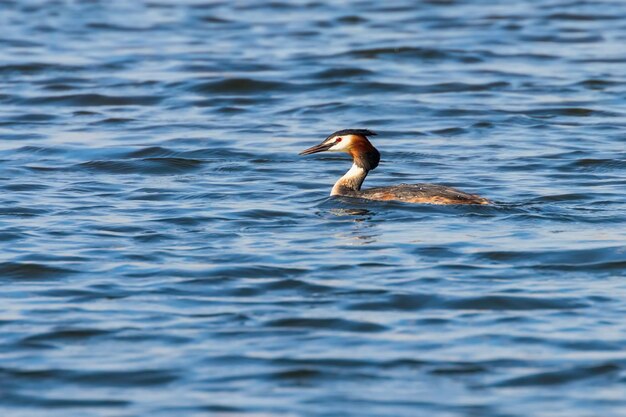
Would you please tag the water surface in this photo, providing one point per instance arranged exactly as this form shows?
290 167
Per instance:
166 252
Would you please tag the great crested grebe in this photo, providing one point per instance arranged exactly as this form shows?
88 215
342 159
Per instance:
365 157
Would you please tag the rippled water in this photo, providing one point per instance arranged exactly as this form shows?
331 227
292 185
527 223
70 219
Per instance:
166 252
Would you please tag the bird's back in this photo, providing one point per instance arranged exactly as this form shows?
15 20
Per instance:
421 193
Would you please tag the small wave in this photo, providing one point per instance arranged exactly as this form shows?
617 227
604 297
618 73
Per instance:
89 100
581 16
117 28
561 198
240 85
255 271
16 270
299 374
568 111
163 166
22 211
35 68
464 87
63 335
9 236
352 19
22 136
151 152
507 302
215 20
326 324
450 131
597 84
123 378
342 73
600 165
461 369
25 187
427 54
488 302
562 376
49 402
59 87
113 121
300 286
562 39
34 117
19 43
400 302
604 258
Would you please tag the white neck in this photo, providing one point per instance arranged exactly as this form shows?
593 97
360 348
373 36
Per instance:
351 181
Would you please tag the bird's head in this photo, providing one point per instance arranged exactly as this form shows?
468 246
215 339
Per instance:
353 142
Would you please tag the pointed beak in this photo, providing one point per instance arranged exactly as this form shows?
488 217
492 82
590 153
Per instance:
317 148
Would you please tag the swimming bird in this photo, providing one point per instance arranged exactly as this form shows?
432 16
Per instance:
365 157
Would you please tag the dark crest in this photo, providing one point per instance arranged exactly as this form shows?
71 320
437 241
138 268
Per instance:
362 132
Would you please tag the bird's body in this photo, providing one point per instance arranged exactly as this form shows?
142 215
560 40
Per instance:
365 158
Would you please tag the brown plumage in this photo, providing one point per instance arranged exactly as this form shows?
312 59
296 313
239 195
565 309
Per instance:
365 158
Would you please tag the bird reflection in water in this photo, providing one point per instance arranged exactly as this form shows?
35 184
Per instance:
362 232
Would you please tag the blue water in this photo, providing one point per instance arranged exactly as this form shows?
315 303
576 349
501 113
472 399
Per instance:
165 251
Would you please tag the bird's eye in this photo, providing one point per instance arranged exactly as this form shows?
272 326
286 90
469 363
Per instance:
337 140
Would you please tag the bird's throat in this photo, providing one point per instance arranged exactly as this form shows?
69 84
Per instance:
351 182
